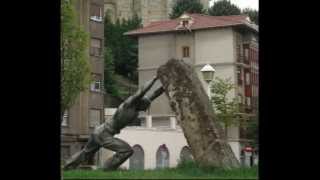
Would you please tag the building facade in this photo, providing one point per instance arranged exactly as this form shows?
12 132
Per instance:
147 10
88 110
155 144
228 43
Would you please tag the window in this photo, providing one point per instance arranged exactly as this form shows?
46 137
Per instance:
255 78
238 52
65 118
242 157
252 78
248 91
136 161
239 75
185 154
246 53
95 47
247 78
185 51
96 86
162 157
248 101
94 117
240 98
95 13
185 23
137 7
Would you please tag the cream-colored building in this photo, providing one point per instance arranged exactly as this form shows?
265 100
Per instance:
228 43
148 10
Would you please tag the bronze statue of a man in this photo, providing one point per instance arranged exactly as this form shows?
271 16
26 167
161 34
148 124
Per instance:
102 135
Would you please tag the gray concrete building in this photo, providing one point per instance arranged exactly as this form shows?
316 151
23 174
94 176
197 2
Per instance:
88 110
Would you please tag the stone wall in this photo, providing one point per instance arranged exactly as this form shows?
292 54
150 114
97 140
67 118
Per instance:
148 10
154 10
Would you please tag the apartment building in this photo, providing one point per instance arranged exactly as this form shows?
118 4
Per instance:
88 110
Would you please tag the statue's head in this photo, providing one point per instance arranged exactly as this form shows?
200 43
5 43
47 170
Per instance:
144 104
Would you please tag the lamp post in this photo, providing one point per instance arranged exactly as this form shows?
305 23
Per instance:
208 73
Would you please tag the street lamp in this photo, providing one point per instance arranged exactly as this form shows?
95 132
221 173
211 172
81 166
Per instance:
208 73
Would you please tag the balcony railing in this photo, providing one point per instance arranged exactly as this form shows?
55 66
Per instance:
96 18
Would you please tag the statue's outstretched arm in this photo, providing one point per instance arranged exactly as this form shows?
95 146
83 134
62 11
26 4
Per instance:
156 93
144 89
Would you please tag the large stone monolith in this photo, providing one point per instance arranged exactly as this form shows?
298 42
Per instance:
190 102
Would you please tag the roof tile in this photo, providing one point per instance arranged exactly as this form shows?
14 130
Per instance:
200 21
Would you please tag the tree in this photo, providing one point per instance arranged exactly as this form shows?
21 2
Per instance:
75 69
224 8
109 81
253 14
124 48
189 6
227 109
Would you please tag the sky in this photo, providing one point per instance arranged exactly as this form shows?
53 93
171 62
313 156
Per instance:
254 4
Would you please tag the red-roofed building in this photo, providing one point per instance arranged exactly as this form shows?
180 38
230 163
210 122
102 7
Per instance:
228 43
196 22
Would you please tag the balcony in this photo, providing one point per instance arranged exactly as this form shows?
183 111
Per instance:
148 122
96 18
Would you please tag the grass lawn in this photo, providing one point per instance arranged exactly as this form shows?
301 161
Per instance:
189 171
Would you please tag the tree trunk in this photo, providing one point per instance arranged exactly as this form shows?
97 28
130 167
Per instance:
190 103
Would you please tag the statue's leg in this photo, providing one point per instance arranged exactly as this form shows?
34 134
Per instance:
88 151
122 152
